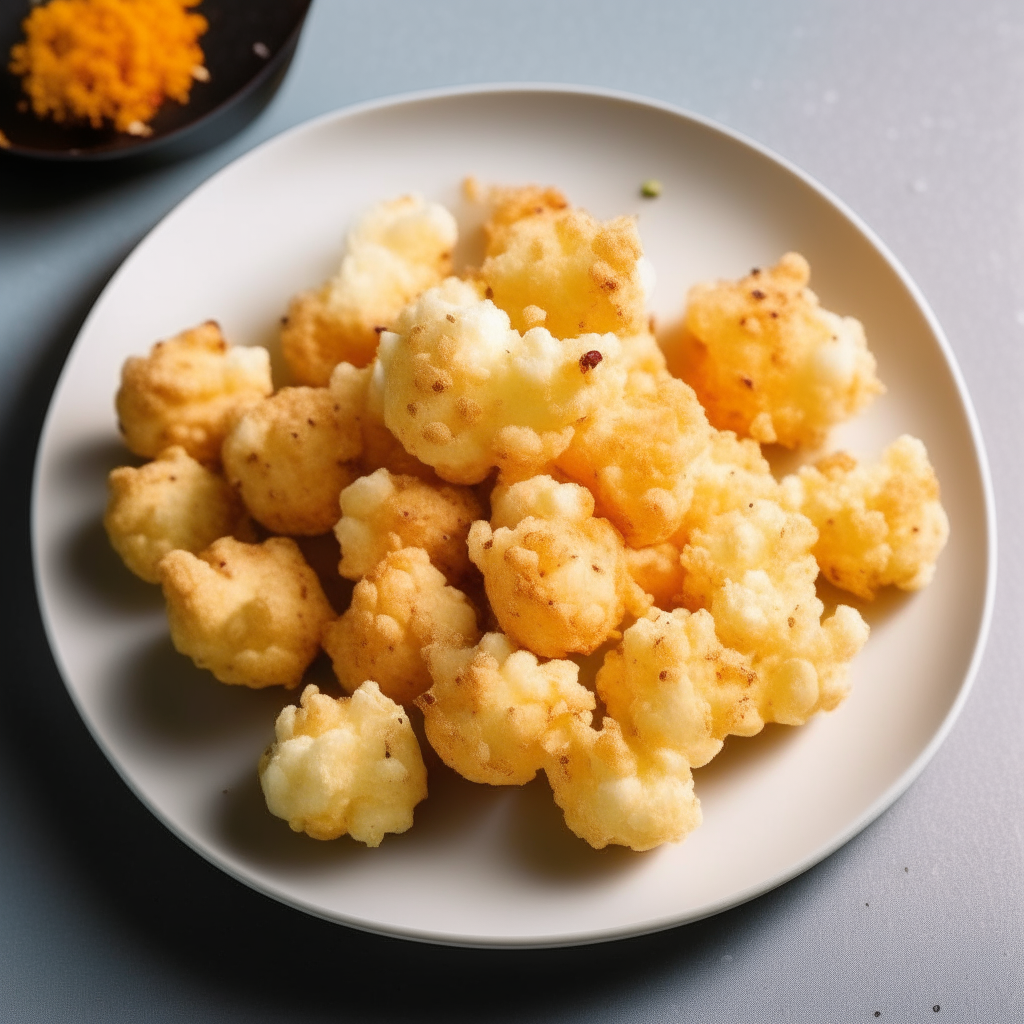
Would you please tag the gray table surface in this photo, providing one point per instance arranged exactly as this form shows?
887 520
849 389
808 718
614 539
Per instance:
912 111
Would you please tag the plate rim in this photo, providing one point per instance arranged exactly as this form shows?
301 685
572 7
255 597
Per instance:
593 936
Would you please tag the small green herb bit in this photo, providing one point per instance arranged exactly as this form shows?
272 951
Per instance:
651 188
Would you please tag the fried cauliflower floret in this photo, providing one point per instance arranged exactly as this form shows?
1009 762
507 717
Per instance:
671 683
642 353
491 705
730 473
383 512
768 362
464 392
397 610
250 613
587 277
610 792
289 457
351 766
657 571
172 502
556 579
350 388
187 392
509 204
636 454
877 525
754 571
395 251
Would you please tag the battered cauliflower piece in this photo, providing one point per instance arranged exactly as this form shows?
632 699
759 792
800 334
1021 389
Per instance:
464 392
395 251
383 512
557 578
636 455
610 792
187 392
657 571
350 388
397 610
542 255
173 502
754 571
730 473
509 204
490 707
641 352
250 613
671 683
351 766
768 362
878 525
289 457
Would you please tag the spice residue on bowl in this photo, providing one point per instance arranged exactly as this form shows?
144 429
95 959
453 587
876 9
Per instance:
109 61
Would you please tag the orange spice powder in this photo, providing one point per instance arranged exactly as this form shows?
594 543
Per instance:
109 60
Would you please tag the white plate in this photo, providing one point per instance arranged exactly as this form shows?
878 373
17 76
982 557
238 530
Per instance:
487 866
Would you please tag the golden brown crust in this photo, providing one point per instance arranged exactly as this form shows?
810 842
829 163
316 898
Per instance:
250 613
385 512
490 707
188 391
173 502
767 361
290 456
349 766
396 249
557 579
397 610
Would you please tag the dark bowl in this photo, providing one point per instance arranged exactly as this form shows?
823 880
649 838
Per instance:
248 47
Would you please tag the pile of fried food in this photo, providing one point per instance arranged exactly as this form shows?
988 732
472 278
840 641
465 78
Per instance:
519 476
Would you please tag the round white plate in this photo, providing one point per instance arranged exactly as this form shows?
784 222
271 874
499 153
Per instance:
485 866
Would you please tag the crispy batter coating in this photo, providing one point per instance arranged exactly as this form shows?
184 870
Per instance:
395 251
556 579
878 525
768 362
397 610
636 454
351 766
385 512
187 392
509 204
671 683
754 571
464 392
543 496
250 613
610 792
545 257
172 502
641 352
491 705
657 571
730 473
350 388
290 455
